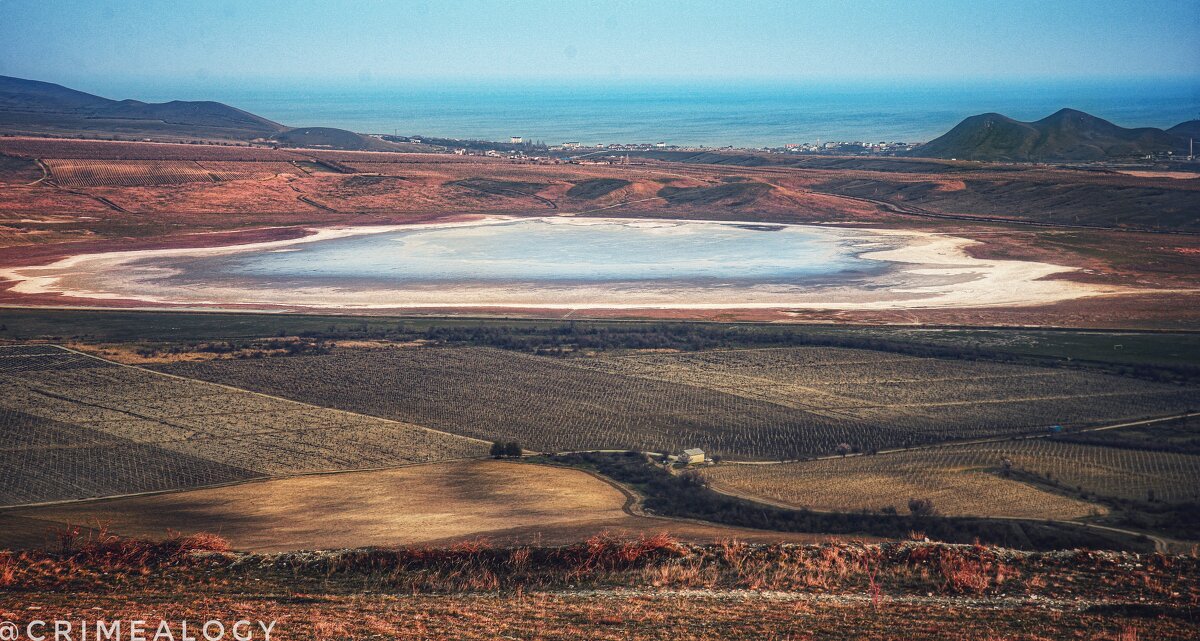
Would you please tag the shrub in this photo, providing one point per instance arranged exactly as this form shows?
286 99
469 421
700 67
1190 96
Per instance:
922 507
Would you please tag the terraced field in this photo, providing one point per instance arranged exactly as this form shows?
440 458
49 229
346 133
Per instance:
72 426
762 404
966 479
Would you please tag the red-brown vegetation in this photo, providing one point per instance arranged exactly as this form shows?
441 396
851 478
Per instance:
612 588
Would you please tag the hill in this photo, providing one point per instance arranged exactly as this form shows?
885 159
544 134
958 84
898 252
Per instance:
1185 130
31 106
1067 135
331 138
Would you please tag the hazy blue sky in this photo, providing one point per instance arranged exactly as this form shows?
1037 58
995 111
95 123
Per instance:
89 42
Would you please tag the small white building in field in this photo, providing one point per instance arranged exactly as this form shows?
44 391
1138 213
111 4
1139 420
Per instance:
694 456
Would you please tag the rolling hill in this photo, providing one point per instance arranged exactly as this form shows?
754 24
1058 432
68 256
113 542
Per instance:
1065 136
31 106
1185 130
331 138
35 107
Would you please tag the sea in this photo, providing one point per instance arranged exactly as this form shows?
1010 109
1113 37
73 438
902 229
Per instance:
712 114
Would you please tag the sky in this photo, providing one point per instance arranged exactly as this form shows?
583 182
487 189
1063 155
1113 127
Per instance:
88 43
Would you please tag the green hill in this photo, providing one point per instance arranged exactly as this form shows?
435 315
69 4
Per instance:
1065 136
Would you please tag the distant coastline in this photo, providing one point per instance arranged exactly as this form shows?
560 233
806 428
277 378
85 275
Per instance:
746 115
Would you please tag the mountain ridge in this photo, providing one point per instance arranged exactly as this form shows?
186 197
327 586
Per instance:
45 108
42 107
1067 135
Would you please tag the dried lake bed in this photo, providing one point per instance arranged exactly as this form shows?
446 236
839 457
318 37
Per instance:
564 263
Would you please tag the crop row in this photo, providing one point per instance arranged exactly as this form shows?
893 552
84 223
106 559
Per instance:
144 431
919 394
970 480
105 173
558 405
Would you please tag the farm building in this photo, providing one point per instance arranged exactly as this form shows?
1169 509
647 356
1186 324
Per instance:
689 457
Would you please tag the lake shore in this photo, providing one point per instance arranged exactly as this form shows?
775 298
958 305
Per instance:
925 270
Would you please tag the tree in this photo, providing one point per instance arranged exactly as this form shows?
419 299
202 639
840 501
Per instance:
513 449
497 449
921 507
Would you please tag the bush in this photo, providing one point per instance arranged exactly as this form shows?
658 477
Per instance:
922 508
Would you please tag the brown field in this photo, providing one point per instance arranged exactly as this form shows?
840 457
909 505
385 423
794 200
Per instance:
764 404
74 427
117 194
967 480
425 504
80 173
652 614
118 150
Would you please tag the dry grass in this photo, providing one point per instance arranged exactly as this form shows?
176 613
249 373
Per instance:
445 502
617 588
654 616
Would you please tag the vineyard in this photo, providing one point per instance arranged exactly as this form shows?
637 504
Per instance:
72 426
968 480
143 173
105 173
758 404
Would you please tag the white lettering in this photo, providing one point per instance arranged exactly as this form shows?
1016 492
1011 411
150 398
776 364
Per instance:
111 630
62 631
267 629
220 630
164 632
29 630
137 630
